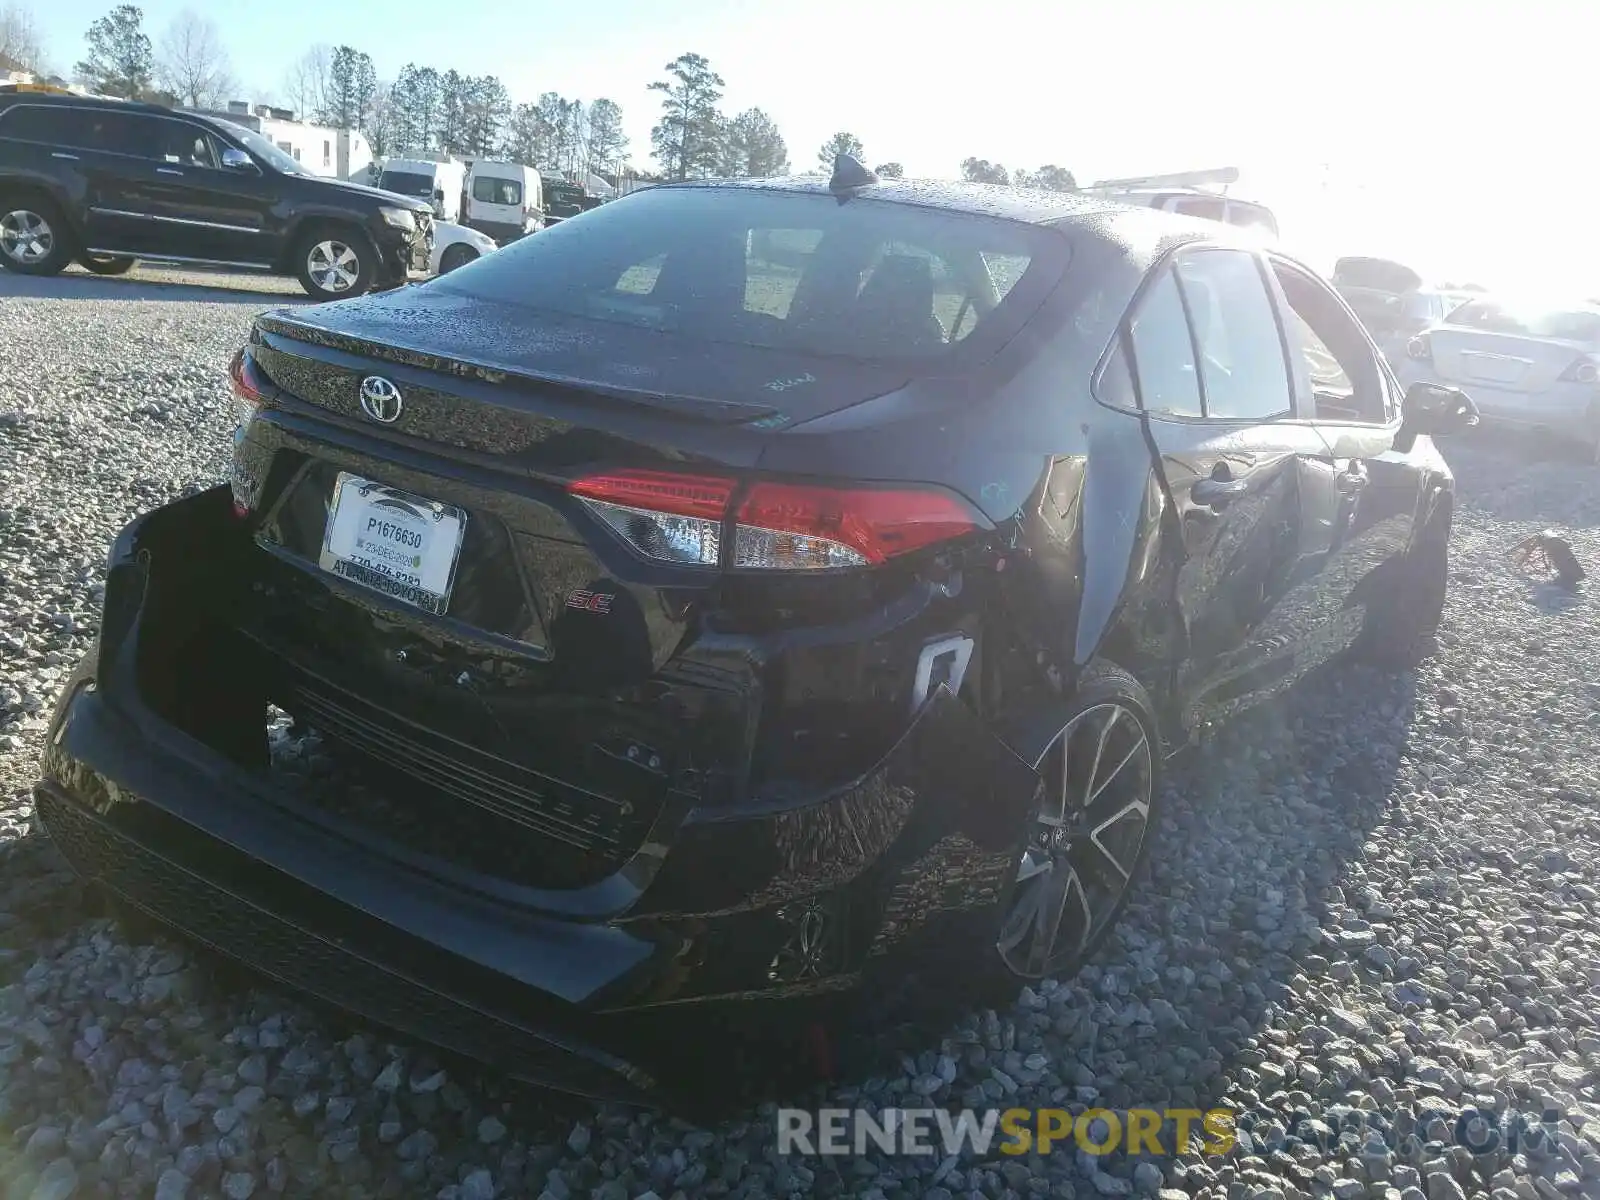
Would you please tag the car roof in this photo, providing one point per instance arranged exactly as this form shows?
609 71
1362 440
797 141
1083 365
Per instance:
1139 233
1028 205
75 101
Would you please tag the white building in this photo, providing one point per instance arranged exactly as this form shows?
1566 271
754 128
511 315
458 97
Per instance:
332 153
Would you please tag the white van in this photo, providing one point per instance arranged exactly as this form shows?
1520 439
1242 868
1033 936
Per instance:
1187 192
504 200
440 182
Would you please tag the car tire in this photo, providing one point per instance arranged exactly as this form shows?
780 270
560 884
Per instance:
456 256
102 264
335 262
35 238
1399 631
1109 709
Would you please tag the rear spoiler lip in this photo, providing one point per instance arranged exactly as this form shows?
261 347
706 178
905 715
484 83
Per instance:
687 407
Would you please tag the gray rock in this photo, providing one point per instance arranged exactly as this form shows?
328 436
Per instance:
1147 1178
248 1099
238 1185
57 1181
1110 1185
490 1130
172 1185
418 1144
45 1141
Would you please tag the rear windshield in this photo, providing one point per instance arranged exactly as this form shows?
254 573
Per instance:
488 190
867 279
1565 325
406 183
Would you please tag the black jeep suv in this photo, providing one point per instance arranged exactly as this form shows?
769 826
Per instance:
108 182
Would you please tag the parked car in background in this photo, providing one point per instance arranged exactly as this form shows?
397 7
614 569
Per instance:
108 182
1391 299
704 633
503 199
563 200
456 245
1528 364
440 183
1185 193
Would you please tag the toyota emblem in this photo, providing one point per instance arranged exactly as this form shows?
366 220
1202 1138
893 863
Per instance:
380 399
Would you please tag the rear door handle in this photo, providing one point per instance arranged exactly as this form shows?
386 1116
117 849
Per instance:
1210 491
169 171
68 157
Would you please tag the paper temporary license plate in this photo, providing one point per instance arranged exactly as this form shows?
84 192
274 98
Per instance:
393 542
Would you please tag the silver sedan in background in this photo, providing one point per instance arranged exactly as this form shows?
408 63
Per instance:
1526 366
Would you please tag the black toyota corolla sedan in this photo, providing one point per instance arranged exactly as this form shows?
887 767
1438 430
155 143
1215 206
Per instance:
736 593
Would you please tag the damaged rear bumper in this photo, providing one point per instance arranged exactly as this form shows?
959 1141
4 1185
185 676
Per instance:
778 898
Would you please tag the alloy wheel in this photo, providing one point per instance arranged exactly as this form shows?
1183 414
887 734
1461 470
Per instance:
25 236
1085 842
333 266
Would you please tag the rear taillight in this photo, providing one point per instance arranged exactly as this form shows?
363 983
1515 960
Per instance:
789 525
687 519
1419 348
250 389
1585 370
665 516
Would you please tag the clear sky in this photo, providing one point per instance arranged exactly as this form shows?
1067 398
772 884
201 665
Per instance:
1459 134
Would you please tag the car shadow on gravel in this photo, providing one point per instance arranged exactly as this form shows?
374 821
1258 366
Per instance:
1230 928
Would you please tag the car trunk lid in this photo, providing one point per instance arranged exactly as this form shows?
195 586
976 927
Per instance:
1512 362
561 369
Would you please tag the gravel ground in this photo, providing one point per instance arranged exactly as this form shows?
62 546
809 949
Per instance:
1378 895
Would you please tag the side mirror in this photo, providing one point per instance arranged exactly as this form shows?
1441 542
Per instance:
234 159
1433 410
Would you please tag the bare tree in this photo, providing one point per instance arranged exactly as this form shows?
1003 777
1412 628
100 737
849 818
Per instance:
608 144
192 62
306 85
20 42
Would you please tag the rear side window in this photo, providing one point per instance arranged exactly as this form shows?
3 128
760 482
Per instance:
488 190
870 280
1242 365
1163 352
53 125
137 135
